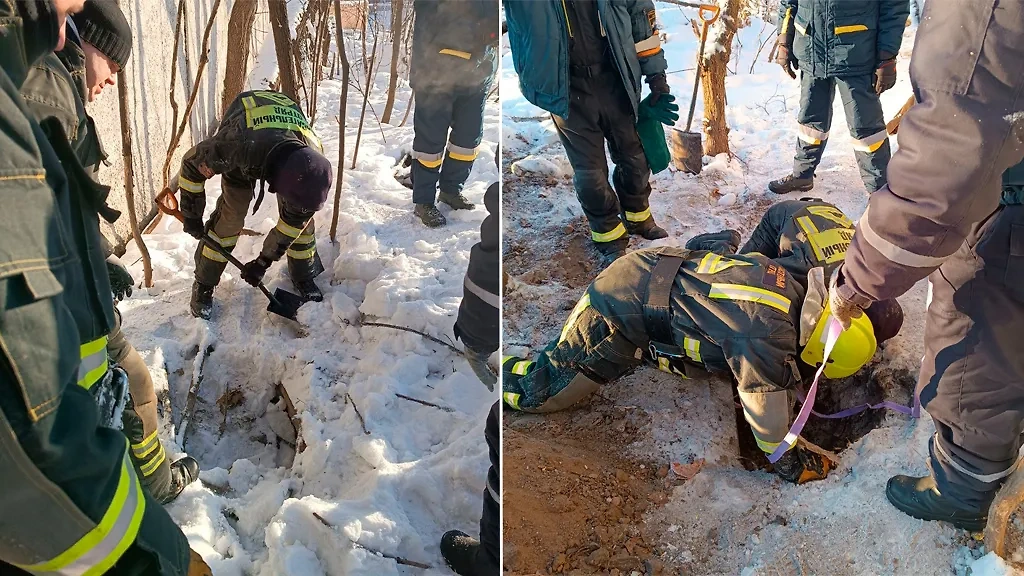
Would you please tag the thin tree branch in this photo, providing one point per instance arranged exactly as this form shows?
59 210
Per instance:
424 402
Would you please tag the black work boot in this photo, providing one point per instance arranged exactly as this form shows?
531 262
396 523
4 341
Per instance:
202 300
430 215
919 497
309 291
610 254
800 466
457 201
790 183
648 229
183 473
464 555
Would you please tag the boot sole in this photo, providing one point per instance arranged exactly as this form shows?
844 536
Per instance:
971 525
790 191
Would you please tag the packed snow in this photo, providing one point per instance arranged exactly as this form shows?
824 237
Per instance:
376 476
748 522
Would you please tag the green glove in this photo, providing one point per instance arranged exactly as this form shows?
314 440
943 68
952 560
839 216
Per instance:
652 137
663 110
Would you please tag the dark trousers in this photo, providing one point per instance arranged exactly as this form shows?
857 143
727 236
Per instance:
972 377
863 114
490 520
599 110
462 111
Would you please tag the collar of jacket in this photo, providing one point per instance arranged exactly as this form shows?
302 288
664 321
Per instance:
73 58
28 31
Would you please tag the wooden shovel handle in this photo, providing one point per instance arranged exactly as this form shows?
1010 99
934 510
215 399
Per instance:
168 204
705 10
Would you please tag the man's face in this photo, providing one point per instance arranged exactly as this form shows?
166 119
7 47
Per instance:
99 70
66 8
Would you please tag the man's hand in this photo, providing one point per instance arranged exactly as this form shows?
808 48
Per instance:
254 271
194 227
843 301
478 362
786 60
664 109
658 84
724 242
121 281
885 75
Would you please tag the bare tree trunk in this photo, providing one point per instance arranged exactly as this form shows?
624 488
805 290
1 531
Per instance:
366 97
278 10
342 116
712 76
396 54
243 15
129 178
364 23
408 107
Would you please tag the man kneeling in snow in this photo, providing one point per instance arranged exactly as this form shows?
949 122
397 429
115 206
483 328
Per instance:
760 316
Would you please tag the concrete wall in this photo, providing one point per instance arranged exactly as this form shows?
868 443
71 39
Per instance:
148 75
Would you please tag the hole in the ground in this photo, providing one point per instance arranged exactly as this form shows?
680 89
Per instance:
865 387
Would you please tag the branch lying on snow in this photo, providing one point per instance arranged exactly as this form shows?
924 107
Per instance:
424 402
348 398
397 559
425 335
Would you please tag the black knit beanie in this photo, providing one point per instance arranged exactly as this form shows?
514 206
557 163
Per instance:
102 24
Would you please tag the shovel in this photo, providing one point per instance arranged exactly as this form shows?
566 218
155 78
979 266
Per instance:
282 302
687 146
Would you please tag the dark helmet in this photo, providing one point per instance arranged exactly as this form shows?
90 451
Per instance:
886 317
303 178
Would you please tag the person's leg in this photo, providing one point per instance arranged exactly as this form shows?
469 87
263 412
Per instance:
467 131
632 174
867 126
303 262
431 119
814 121
972 377
225 224
583 141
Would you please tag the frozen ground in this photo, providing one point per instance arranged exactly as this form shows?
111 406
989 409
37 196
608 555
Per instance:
393 485
727 520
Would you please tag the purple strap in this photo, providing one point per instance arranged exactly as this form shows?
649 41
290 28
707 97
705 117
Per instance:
913 411
834 330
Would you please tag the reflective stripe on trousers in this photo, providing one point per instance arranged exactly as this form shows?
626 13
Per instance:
94 363
99 549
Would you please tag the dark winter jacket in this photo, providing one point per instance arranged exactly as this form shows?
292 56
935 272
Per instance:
835 38
62 475
802 234
454 45
478 322
955 144
1013 186
735 315
539 32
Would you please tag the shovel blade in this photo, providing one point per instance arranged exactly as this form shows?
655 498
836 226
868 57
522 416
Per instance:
286 305
687 151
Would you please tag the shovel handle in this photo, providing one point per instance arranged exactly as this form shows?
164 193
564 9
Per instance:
700 62
708 13
168 204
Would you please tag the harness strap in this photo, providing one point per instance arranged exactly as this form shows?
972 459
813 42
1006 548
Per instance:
657 315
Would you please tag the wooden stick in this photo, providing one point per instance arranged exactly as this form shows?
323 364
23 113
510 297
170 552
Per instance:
893 126
366 97
193 394
129 179
424 402
359 414
375 552
427 336
342 116
293 416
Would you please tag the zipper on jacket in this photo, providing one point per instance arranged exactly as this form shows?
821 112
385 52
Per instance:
565 11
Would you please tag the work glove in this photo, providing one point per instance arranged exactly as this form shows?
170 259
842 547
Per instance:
843 302
253 272
658 83
800 466
194 227
784 58
121 282
724 242
196 565
663 109
478 362
885 75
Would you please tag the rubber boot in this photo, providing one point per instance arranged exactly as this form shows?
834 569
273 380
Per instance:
920 498
464 555
309 291
202 300
647 229
457 201
790 183
183 473
430 215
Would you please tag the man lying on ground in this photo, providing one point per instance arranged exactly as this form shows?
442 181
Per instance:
759 316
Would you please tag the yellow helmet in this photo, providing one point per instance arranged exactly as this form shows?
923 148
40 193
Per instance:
855 347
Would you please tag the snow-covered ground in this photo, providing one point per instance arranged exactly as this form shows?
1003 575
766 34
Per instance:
393 484
842 525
